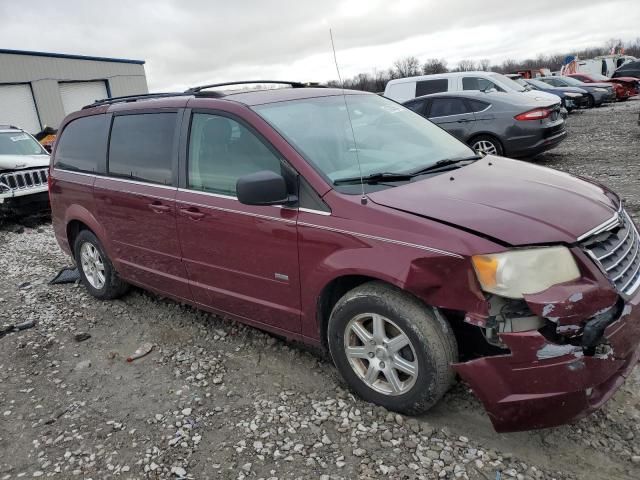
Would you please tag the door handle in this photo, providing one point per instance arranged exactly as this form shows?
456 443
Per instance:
159 207
192 213
463 121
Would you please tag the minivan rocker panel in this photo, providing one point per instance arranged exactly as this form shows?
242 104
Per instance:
406 257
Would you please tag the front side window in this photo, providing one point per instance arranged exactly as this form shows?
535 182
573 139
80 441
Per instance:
444 107
478 83
142 147
388 137
19 143
221 150
82 145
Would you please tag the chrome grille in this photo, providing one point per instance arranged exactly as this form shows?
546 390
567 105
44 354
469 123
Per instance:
617 251
24 179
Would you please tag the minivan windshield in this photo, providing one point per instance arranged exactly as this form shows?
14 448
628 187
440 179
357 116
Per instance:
507 82
19 143
390 139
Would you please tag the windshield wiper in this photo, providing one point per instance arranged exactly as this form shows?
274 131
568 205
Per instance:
399 177
375 178
441 164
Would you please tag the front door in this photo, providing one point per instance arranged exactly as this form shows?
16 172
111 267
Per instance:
241 259
136 201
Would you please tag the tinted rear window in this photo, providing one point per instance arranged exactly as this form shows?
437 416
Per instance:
82 145
426 87
477 105
142 147
444 107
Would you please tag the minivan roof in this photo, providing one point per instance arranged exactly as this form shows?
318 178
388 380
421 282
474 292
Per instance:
440 75
248 97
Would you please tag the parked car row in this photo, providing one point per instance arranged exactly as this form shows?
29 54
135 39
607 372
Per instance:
490 112
498 124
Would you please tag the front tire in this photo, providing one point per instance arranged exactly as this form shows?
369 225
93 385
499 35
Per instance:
96 270
392 349
591 102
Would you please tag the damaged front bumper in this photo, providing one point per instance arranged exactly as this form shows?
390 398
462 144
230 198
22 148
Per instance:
544 383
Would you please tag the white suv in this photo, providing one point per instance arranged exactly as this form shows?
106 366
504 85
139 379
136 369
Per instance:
403 89
24 165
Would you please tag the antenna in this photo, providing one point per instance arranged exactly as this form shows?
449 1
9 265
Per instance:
363 199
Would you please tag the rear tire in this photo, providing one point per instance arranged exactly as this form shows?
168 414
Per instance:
96 270
487 144
391 349
590 101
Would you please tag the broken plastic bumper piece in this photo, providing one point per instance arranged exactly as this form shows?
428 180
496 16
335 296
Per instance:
542 384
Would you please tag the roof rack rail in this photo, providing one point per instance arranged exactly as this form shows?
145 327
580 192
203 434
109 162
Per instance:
7 127
244 82
134 98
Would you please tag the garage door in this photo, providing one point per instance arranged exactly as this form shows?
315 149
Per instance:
76 95
18 108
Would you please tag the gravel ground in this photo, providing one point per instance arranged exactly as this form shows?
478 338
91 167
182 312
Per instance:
215 399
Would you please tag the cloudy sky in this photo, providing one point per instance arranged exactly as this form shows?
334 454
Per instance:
192 42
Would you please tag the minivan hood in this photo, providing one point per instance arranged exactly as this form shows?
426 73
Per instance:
510 201
18 162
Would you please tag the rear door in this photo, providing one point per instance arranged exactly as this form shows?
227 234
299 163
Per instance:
453 115
241 259
135 201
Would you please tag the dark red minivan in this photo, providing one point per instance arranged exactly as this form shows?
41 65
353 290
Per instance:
346 221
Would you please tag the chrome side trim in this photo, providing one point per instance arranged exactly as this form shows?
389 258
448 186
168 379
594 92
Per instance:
137 182
240 212
315 212
118 179
82 174
208 194
613 222
383 239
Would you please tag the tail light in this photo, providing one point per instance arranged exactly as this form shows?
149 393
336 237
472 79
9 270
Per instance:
535 114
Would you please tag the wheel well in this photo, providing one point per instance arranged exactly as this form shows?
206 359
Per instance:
330 295
73 229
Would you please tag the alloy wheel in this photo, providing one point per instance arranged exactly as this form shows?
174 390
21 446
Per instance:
381 354
92 265
486 147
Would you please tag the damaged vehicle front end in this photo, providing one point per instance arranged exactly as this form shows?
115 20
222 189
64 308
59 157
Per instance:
560 353
547 314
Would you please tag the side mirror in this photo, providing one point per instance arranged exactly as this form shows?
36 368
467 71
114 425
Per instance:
489 90
263 188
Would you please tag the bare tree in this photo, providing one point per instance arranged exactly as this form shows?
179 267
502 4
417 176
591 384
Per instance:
434 65
484 65
510 66
466 65
613 43
407 67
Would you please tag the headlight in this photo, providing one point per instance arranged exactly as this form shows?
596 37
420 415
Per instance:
517 272
598 89
573 95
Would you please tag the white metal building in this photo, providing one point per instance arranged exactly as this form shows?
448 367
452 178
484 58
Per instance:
39 89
